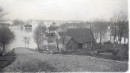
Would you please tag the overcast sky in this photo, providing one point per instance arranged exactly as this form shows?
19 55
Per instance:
62 9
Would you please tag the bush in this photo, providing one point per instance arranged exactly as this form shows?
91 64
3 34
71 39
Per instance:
122 52
48 49
7 59
119 52
104 48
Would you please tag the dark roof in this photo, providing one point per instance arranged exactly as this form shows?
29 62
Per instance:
52 28
27 25
66 39
5 24
81 35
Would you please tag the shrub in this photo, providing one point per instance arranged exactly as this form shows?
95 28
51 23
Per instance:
108 42
7 59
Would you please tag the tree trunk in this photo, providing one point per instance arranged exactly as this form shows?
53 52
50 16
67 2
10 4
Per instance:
3 51
63 40
115 36
120 33
100 37
57 44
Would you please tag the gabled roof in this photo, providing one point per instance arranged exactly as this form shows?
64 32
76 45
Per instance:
81 35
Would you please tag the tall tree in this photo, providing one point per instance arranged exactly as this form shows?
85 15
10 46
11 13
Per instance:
39 35
120 21
99 27
6 36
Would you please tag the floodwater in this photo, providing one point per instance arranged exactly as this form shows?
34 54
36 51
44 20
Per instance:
19 41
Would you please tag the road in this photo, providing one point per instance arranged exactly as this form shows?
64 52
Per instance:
28 60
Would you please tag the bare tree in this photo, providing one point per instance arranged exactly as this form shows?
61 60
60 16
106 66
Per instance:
39 35
99 26
18 22
120 22
6 36
2 13
26 41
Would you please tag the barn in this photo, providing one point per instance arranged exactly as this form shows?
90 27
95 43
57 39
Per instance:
80 38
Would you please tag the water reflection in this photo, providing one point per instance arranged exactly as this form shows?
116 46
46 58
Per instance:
20 32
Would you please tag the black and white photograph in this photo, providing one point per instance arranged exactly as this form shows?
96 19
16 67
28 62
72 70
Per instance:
64 36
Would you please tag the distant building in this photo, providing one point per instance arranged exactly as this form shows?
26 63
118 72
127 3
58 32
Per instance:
28 27
6 23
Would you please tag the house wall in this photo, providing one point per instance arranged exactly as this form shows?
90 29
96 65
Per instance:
71 45
87 45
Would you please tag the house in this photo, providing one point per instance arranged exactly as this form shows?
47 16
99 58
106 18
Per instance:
52 34
7 24
28 27
52 29
79 38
